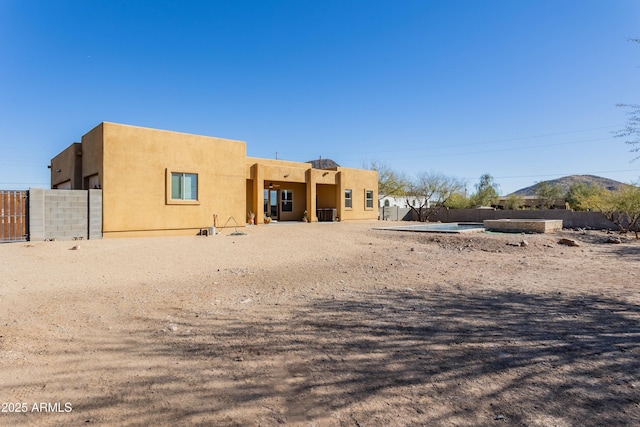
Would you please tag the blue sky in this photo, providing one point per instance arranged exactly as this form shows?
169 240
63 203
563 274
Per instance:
524 90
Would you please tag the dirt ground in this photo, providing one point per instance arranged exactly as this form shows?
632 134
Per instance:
322 325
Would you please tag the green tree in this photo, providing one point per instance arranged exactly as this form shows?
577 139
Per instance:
622 207
486 192
458 201
548 194
514 202
584 197
432 191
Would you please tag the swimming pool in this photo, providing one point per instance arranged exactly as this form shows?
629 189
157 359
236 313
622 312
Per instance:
448 227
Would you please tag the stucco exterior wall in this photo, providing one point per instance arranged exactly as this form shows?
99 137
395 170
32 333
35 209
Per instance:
136 181
326 196
249 197
323 188
299 201
283 175
67 167
133 167
279 170
359 181
93 155
286 175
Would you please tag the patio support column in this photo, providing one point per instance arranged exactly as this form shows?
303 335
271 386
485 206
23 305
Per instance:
311 194
258 193
339 194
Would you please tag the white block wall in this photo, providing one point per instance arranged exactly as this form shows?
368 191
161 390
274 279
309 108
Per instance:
65 214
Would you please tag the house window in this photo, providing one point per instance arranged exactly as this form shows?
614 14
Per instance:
347 199
287 200
184 186
368 197
386 203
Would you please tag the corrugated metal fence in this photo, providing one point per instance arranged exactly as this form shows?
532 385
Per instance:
13 215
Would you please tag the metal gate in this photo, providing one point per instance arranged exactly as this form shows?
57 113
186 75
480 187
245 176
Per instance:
13 215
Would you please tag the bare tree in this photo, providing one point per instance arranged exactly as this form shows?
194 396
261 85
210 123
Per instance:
390 182
631 131
431 191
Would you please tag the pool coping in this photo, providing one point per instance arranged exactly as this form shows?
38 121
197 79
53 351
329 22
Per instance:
412 228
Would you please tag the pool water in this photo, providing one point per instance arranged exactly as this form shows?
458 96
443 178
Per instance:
449 227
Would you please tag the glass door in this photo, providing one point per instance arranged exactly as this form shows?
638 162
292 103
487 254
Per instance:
271 198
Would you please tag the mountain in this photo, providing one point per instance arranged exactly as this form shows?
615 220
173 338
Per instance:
568 181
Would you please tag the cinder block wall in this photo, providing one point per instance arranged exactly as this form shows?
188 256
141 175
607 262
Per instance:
570 219
36 214
95 214
65 214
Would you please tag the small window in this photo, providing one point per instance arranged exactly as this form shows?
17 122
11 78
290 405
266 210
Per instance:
287 200
386 203
347 199
64 186
184 186
92 182
368 197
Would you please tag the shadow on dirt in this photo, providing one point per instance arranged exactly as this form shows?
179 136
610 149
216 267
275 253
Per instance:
445 357
632 252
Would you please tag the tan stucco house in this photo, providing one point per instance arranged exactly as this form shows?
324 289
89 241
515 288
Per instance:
158 183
